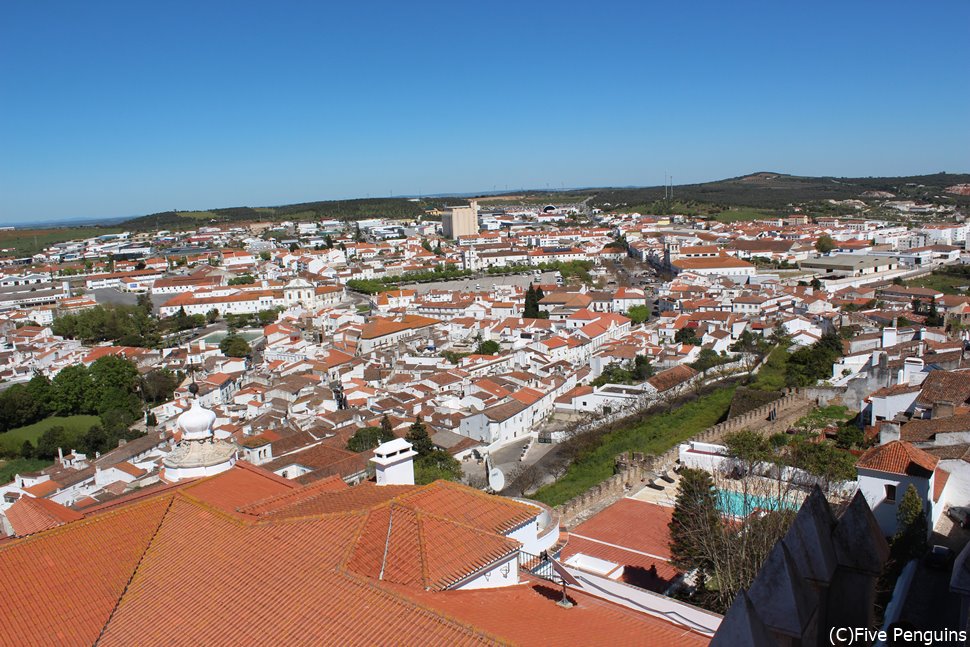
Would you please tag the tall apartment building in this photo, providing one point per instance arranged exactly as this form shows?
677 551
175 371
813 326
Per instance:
460 221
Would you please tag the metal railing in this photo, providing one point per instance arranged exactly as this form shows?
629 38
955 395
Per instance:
538 565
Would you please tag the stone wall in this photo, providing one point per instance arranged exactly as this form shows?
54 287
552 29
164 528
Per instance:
634 471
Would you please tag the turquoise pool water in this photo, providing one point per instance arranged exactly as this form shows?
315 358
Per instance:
735 504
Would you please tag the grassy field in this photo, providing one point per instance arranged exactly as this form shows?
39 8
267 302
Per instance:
771 375
30 241
945 283
77 426
9 469
653 434
742 214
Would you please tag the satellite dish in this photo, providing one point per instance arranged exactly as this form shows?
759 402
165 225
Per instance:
496 479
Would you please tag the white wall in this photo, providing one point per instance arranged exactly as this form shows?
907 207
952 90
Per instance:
502 573
873 484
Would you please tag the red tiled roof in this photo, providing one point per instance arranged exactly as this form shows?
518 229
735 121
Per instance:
898 457
526 615
942 476
91 560
43 488
118 576
29 515
631 524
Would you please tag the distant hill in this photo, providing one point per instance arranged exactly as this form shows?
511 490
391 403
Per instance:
763 190
766 190
397 208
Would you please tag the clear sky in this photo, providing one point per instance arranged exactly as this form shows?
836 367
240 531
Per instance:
124 108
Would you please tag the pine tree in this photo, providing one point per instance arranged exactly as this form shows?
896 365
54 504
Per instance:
387 429
695 519
909 542
419 438
531 303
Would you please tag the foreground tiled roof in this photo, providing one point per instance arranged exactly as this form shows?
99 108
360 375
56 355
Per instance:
898 457
218 562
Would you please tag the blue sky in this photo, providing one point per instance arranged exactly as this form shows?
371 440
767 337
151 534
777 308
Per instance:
124 108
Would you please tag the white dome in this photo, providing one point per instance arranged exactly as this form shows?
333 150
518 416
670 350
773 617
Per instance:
196 423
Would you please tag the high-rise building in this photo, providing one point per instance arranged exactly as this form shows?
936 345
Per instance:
460 221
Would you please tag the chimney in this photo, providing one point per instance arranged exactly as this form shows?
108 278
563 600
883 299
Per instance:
60 455
942 409
394 462
889 336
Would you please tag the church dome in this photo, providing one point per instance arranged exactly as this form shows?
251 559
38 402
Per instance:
196 423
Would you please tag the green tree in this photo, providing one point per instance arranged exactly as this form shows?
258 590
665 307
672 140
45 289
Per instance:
235 346
114 384
849 436
328 241
266 317
825 244
265 256
418 437
242 279
387 429
94 440
151 420
158 385
145 302
531 310
687 335
613 373
39 391
638 314
439 464
695 521
642 368
909 542
489 347
748 447
364 439
70 391
49 442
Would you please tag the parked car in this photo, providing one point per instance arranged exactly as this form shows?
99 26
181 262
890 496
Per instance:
959 514
939 557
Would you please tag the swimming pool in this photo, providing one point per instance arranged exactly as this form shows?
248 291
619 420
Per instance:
736 504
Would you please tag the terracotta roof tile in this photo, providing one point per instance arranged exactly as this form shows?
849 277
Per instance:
29 515
898 457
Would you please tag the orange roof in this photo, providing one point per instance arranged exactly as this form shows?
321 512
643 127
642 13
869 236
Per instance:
128 468
526 615
43 488
898 457
323 577
381 326
29 515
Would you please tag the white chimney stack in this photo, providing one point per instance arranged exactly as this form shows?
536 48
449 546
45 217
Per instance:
394 462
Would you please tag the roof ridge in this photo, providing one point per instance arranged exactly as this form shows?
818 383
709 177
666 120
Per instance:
422 550
134 571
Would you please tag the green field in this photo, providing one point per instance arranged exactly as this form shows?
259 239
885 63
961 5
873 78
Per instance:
945 283
77 426
9 469
771 375
653 434
30 241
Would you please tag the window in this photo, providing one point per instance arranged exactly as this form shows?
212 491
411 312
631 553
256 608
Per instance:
890 494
